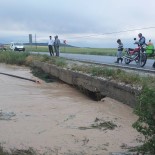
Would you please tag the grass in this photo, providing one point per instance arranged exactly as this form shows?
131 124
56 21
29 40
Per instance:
90 51
24 58
58 61
76 50
36 49
13 57
61 62
113 74
29 151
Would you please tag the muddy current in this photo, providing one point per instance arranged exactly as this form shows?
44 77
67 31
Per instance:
55 118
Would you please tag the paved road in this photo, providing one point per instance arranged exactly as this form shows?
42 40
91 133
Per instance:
101 59
104 59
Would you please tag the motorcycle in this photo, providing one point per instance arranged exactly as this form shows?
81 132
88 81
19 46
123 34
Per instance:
138 55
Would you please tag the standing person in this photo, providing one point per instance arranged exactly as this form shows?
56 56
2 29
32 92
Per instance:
56 45
153 65
119 51
149 49
150 43
50 46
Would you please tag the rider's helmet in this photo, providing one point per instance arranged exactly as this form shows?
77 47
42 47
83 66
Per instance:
118 40
140 35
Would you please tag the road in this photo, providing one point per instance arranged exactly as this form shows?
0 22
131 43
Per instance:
102 59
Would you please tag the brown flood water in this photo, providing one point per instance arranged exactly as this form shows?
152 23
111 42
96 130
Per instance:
49 117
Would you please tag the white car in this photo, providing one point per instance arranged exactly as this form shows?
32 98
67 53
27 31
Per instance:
17 46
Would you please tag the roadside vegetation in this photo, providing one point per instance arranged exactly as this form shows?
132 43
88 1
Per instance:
145 108
13 57
29 151
75 50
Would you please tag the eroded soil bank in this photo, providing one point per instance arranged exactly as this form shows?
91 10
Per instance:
57 119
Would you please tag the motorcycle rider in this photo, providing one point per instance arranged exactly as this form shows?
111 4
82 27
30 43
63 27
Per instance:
141 39
119 51
142 42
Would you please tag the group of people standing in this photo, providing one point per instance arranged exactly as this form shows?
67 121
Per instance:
54 43
120 48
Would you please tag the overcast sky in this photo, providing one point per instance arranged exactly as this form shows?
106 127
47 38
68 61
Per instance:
80 22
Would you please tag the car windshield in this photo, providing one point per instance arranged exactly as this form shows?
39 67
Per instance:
19 44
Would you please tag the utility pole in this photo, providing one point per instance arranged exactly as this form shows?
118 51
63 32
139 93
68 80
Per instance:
64 45
30 41
36 41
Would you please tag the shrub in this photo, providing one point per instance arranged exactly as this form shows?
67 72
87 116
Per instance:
146 122
13 57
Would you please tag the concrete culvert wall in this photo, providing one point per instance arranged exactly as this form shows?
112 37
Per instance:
96 96
95 87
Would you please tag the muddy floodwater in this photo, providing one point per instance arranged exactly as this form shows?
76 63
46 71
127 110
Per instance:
55 118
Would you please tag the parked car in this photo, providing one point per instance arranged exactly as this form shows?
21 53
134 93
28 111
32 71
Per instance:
17 46
2 47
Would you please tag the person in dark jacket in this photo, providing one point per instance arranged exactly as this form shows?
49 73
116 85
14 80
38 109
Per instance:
141 39
153 65
119 51
56 45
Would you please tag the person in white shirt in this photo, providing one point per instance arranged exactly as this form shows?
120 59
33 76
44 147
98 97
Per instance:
50 46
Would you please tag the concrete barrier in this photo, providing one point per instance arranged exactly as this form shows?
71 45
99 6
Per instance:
97 85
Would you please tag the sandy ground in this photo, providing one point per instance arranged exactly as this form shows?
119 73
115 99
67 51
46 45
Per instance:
55 118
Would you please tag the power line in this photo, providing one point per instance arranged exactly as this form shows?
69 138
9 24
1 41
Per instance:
130 30
109 33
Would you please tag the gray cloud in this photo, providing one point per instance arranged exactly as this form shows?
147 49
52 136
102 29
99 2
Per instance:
70 18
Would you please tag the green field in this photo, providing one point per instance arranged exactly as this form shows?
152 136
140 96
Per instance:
76 50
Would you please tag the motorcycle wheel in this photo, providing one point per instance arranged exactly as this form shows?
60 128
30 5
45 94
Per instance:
127 61
143 59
